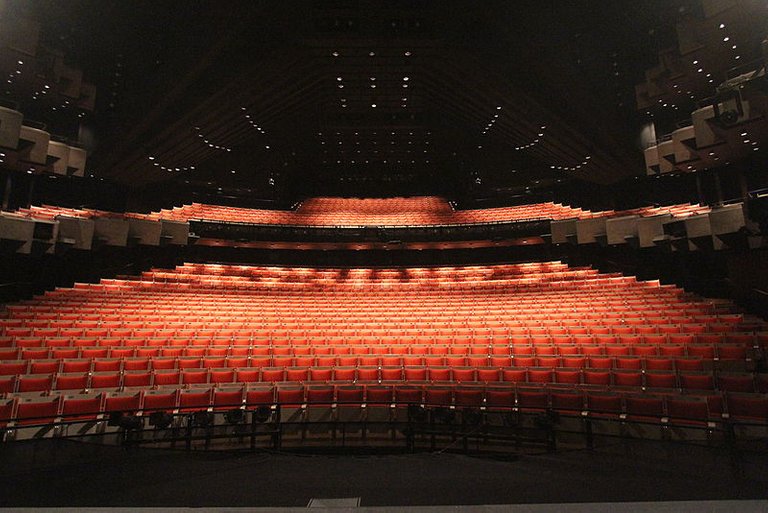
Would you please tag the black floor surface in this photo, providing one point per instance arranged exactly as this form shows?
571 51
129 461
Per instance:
67 473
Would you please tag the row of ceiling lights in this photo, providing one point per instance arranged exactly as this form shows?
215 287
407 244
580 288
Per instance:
534 142
727 40
12 76
163 167
573 168
209 143
251 122
343 101
492 121
367 161
371 53
747 140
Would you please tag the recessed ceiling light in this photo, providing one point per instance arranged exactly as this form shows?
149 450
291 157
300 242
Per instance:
335 54
373 105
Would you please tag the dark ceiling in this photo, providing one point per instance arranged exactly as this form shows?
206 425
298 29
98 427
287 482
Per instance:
298 98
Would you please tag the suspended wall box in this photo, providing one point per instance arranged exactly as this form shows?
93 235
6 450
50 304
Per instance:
728 225
705 136
174 232
60 152
563 230
666 156
144 231
10 128
111 231
699 232
649 228
75 232
26 235
621 230
651 155
588 230
39 139
77 159
16 233
680 140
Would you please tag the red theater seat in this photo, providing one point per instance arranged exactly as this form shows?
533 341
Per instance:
37 411
81 407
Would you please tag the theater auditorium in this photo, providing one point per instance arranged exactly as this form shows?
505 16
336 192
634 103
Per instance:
401 255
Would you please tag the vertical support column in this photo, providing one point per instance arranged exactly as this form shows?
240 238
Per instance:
7 191
700 189
31 190
743 190
718 188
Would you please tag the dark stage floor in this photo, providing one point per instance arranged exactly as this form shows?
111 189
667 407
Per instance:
67 473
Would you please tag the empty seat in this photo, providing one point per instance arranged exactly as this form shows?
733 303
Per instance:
748 408
194 400
37 410
641 408
81 407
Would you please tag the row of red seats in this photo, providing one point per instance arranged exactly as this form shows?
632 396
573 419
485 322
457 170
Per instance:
662 409
648 344
116 361
401 211
715 329
369 212
557 356
642 379
368 334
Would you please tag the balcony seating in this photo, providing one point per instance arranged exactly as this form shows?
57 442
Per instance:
416 211
533 336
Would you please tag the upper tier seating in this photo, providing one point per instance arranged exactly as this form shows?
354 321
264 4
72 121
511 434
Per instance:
425 210
540 328
415 211
45 228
